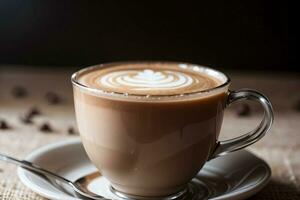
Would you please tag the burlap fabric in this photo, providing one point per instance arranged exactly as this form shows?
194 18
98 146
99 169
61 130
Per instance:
280 148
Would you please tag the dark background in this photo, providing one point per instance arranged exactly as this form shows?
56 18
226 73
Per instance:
228 34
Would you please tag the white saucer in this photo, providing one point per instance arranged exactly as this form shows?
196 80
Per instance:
238 175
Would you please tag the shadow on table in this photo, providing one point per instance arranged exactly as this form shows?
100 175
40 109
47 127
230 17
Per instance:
276 191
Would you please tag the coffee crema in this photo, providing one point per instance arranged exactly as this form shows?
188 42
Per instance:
149 79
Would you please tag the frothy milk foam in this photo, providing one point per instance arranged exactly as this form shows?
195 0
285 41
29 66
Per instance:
150 79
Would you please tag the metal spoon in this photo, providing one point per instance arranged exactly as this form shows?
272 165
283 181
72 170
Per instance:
77 189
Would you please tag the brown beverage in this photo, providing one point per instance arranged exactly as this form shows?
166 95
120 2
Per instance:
149 127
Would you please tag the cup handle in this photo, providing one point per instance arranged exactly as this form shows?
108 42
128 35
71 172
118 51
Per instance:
231 145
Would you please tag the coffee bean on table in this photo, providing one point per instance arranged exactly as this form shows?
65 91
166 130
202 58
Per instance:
19 92
243 110
33 112
28 116
71 131
46 128
26 119
53 98
4 125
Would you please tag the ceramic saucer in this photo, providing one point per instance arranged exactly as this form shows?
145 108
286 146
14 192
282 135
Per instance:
234 176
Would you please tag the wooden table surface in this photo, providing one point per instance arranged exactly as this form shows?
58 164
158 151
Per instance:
280 147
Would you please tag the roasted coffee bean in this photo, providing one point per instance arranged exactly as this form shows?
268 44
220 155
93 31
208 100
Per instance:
243 110
71 131
4 125
33 112
46 128
26 119
19 92
53 98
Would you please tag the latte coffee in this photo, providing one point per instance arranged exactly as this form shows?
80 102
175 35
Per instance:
149 127
146 145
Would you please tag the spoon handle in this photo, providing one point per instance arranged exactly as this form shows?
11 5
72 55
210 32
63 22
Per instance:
32 167
35 168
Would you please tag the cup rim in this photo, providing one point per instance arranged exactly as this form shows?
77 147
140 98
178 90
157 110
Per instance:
208 70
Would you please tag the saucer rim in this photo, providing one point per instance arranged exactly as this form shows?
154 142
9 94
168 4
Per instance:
23 175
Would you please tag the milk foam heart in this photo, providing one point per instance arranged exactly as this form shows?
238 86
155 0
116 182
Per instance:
147 79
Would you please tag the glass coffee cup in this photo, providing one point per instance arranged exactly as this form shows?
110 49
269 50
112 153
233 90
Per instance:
150 141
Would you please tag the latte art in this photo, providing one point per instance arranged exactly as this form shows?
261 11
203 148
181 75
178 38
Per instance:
149 79
146 80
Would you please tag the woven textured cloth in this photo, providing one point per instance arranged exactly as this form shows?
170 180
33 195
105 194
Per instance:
280 147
